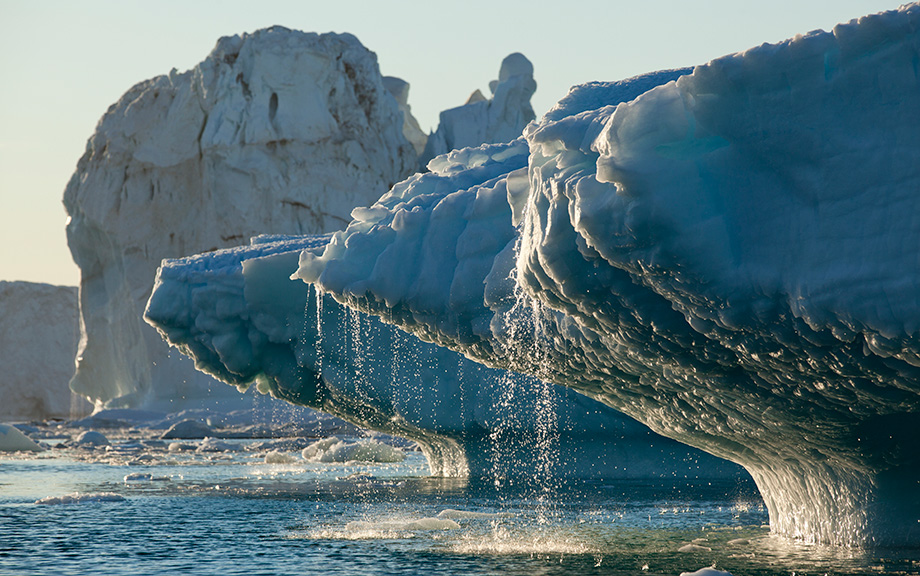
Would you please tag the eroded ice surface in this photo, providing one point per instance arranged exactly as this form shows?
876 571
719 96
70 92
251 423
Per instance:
730 258
242 319
274 131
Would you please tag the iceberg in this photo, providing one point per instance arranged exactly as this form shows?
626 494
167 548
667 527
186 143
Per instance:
39 331
277 131
244 321
730 258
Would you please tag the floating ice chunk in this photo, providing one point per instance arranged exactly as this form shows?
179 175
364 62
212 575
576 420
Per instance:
276 457
188 429
145 477
403 525
739 542
91 438
333 449
694 548
77 498
215 445
710 571
729 257
277 130
12 440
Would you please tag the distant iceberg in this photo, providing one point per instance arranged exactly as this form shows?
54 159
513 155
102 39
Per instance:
274 131
39 331
242 319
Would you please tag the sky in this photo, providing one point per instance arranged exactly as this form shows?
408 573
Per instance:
63 63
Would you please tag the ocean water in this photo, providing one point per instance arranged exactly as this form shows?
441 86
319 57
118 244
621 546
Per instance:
138 508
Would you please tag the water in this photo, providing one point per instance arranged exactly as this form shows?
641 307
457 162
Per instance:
231 513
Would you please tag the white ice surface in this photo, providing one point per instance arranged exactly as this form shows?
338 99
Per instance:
275 131
39 331
12 440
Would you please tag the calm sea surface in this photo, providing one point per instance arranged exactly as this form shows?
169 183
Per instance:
138 508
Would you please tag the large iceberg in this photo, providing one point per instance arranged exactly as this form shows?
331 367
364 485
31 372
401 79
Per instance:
38 339
242 318
278 131
730 258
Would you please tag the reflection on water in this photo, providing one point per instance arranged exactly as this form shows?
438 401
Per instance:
230 512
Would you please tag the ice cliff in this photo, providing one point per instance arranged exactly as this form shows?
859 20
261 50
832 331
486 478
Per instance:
276 131
730 258
242 318
38 338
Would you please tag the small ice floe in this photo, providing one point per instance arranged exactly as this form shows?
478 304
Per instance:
739 542
465 514
334 449
77 498
91 439
276 457
694 548
710 571
420 524
12 440
187 430
144 477
215 445
179 447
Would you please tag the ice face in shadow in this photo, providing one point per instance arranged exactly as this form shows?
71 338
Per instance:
730 258
243 320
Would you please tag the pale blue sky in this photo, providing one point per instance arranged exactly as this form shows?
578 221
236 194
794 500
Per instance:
64 62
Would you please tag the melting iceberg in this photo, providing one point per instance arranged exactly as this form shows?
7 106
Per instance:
243 320
730 258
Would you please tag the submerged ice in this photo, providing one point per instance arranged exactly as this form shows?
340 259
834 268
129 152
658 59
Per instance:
730 258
